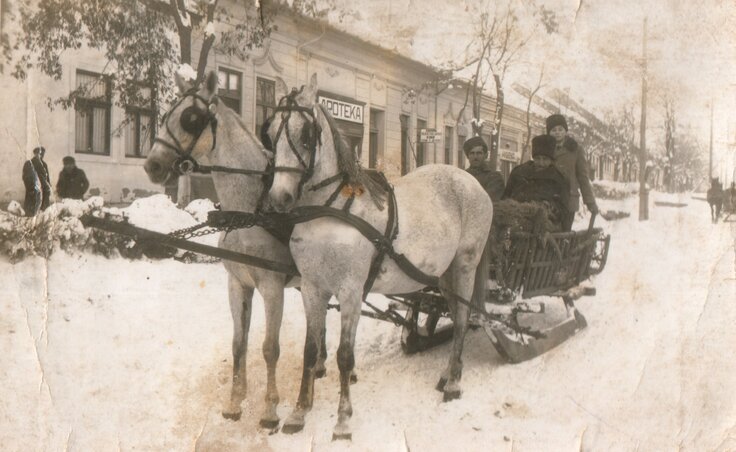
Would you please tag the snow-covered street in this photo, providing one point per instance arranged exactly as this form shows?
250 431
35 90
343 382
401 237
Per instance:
105 354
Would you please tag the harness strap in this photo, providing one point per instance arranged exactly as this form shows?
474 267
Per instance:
308 213
327 181
392 230
334 194
349 202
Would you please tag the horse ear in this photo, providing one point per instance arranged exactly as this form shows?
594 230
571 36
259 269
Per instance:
211 84
311 90
182 83
281 89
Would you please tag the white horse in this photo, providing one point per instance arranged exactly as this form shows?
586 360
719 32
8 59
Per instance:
200 128
444 217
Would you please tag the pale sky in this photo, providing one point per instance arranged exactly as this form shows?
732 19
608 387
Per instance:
691 48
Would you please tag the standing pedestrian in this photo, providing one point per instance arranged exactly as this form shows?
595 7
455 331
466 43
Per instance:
570 160
72 182
37 183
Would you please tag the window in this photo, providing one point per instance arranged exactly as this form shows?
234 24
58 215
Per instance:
92 114
421 124
140 124
404 119
229 91
265 101
460 152
375 139
448 145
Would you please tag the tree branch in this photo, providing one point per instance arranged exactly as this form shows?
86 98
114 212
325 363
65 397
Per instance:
208 42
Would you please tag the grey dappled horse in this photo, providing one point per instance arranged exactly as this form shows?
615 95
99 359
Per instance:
444 217
208 131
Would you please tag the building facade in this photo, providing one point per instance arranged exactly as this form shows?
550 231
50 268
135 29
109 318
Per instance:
374 94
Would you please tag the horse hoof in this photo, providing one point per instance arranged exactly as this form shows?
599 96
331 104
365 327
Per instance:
232 416
269 424
290 429
353 378
342 436
451 395
320 373
441 384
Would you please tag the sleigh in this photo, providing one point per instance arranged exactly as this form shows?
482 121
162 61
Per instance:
517 322
537 269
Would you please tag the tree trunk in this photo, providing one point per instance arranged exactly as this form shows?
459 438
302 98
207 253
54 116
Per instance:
496 139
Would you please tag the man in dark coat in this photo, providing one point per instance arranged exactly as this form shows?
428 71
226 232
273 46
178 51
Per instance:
37 182
570 160
492 182
72 182
480 167
539 180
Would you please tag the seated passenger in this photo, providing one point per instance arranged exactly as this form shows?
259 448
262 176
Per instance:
539 180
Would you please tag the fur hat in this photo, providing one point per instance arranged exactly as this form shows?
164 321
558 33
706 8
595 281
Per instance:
556 120
543 145
68 159
473 142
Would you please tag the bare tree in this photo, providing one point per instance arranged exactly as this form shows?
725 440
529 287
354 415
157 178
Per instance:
669 142
530 94
497 43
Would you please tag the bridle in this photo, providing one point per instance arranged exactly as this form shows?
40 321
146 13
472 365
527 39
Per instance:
310 136
194 121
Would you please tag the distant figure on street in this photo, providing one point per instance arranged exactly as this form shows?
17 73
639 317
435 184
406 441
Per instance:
540 181
715 199
37 182
570 160
72 182
480 167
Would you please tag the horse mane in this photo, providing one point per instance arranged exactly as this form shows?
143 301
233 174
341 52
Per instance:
348 164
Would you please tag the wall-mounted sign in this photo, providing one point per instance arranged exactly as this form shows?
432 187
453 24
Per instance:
509 155
509 150
340 109
429 136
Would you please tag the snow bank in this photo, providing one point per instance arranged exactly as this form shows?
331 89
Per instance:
59 227
606 189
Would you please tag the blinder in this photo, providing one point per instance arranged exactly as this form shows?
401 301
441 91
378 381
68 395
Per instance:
194 119
265 139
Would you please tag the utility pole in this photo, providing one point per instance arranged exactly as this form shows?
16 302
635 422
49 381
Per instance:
710 149
643 170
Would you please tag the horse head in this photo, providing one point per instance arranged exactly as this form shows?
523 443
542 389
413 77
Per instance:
293 134
188 132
